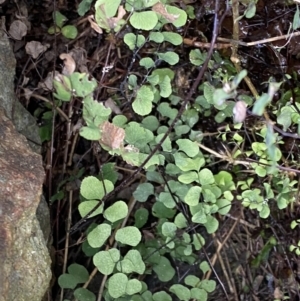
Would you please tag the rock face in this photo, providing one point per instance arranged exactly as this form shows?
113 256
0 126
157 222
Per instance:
24 257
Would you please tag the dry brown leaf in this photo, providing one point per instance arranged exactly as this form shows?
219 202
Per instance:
114 21
109 103
161 10
112 136
47 83
17 30
35 48
69 64
27 93
278 293
239 111
94 25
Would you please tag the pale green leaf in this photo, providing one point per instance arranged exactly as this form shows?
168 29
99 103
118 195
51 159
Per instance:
193 196
85 208
97 237
142 104
91 188
170 57
117 285
129 236
145 20
191 148
105 261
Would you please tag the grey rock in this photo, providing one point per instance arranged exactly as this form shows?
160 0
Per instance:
25 271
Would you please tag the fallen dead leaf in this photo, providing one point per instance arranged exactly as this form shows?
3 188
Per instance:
35 48
161 10
17 30
47 83
94 25
69 63
239 111
112 135
109 103
114 21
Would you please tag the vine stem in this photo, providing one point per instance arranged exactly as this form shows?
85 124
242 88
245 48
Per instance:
171 127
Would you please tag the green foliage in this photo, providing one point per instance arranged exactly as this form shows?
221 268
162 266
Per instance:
180 174
68 31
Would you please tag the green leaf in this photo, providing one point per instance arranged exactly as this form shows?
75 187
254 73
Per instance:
90 133
197 58
143 191
157 37
296 19
170 57
180 291
83 294
168 229
200 217
147 62
82 85
162 72
79 272
180 221
141 217
188 177
161 296
165 87
59 19
204 267
189 147
260 104
69 31
187 164
110 7
164 270
285 117
94 113
192 280
85 208
251 10
193 196
91 188
142 104
198 241
138 265
134 286
208 285
117 285
206 177
97 237
105 261
166 145
172 37
133 41
161 211
63 88
198 294
129 236
211 224
150 123
179 14
265 211
84 7
138 136
166 111
224 206
116 211
67 281
145 20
